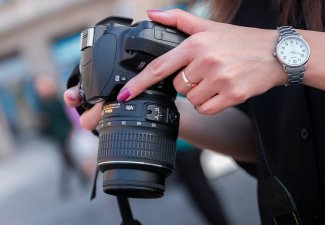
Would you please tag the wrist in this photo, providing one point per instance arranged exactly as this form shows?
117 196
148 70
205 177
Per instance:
274 70
315 72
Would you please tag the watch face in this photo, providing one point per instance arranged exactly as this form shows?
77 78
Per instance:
293 51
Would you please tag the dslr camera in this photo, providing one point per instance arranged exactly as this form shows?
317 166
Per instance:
137 139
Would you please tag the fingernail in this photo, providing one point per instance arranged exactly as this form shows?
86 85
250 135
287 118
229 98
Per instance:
123 95
154 11
72 95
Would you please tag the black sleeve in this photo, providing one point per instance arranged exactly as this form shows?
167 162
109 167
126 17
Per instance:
243 107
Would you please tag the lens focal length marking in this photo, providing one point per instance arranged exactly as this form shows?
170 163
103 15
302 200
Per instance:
131 123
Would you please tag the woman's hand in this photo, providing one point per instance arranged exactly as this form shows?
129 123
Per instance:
90 118
228 64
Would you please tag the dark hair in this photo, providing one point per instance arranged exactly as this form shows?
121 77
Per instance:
312 12
224 10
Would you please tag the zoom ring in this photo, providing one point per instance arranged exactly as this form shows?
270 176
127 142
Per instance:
136 146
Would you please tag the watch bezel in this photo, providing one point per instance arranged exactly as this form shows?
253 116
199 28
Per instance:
290 65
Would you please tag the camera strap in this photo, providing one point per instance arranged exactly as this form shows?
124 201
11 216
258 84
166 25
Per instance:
276 202
123 203
126 213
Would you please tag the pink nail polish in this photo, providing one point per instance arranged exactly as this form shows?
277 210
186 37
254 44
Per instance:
72 96
123 95
71 99
154 11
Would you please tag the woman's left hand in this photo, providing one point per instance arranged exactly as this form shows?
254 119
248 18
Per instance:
227 64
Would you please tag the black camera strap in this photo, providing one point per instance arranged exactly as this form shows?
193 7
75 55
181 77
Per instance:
276 202
123 203
126 213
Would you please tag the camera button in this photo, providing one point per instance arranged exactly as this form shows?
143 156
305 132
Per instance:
156 113
304 133
123 78
169 30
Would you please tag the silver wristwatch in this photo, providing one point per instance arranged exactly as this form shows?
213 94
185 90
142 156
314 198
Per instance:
293 52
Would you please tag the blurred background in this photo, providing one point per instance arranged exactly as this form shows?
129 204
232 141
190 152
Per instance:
47 162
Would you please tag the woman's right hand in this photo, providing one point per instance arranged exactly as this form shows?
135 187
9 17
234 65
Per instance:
228 64
222 65
90 118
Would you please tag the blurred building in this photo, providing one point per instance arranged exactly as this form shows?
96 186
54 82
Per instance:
42 37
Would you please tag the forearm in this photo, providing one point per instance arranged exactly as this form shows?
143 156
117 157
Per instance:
228 132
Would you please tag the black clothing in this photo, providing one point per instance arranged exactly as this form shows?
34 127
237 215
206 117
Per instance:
292 124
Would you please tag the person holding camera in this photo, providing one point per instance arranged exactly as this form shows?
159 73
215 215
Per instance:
269 53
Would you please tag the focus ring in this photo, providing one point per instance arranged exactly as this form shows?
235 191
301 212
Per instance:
136 146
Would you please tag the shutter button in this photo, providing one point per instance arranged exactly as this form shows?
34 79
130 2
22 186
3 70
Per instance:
304 133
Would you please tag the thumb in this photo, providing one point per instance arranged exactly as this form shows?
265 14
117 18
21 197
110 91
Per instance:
180 19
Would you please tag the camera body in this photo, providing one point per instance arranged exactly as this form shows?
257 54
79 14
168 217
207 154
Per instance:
137 139
114 51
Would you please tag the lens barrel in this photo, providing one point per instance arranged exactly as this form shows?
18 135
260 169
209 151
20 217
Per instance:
137 143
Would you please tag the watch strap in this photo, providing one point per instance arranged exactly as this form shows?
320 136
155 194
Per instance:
285 31
295 75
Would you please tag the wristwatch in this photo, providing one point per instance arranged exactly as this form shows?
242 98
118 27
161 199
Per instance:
293 52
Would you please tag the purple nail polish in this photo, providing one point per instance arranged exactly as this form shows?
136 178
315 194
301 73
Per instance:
123 95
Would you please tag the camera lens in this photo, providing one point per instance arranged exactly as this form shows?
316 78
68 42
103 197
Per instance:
137 142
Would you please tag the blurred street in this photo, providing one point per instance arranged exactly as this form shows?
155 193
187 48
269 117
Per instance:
29 194
41 39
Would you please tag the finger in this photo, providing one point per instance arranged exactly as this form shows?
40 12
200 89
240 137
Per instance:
183 83
201 93
154 72
201 76
214 105
72 97
90 118
180 19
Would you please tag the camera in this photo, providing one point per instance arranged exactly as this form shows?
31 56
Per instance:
137 139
